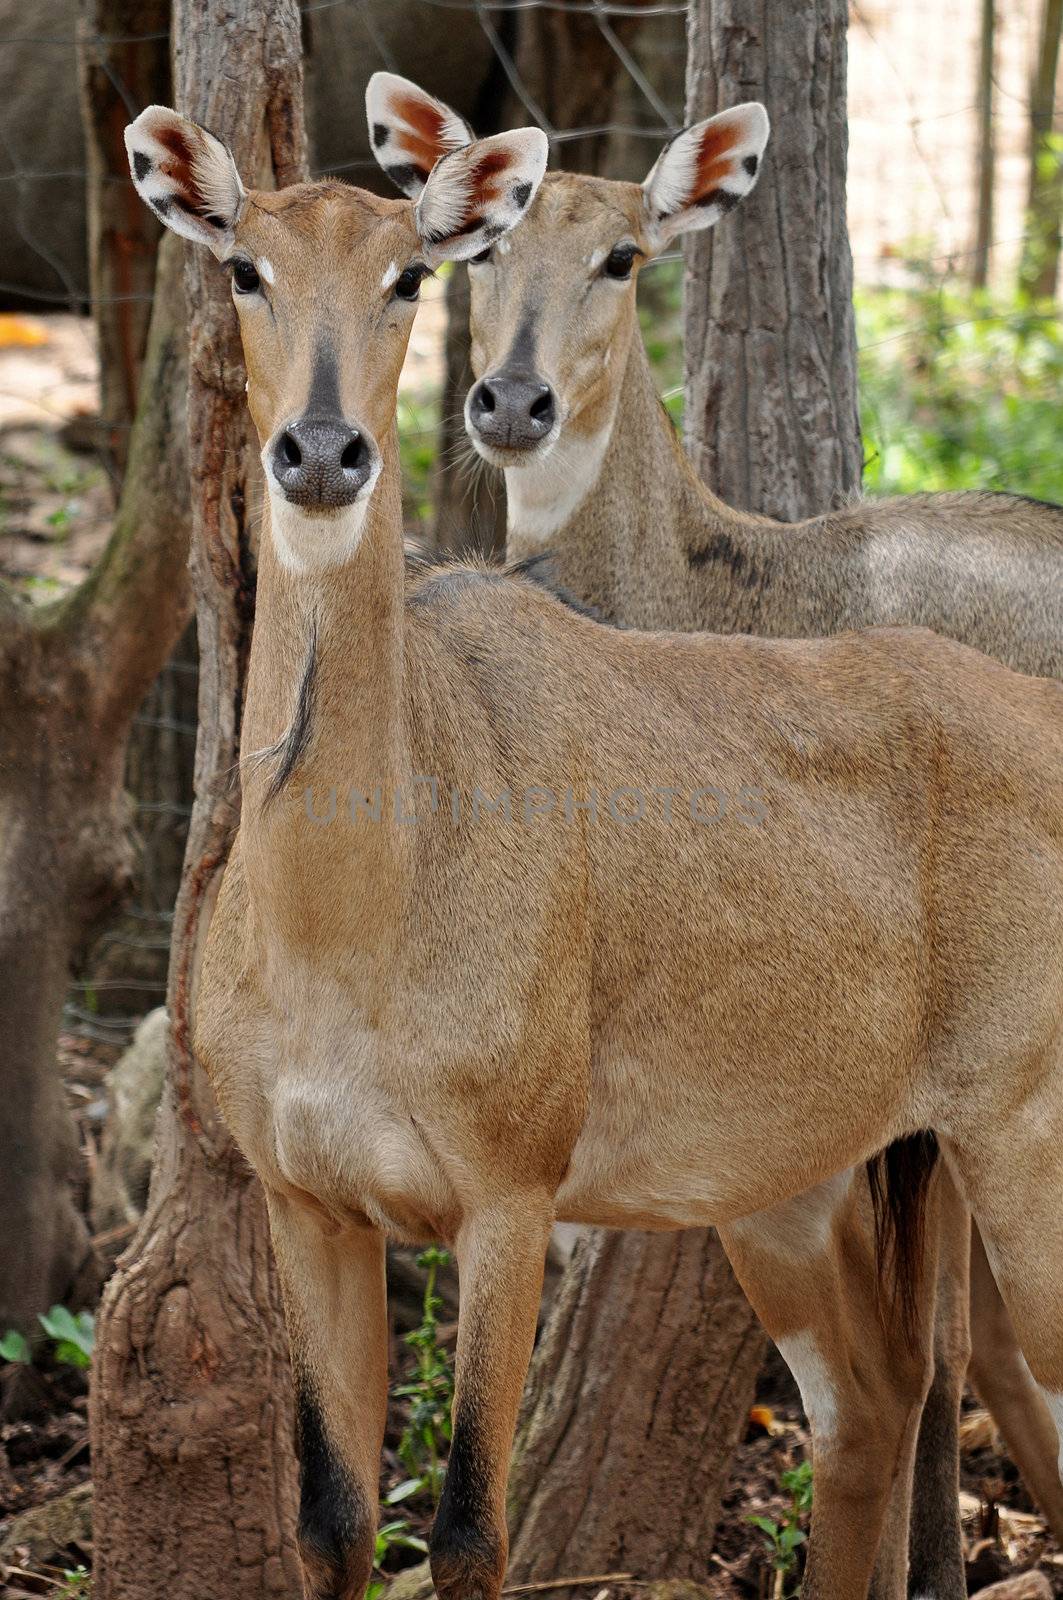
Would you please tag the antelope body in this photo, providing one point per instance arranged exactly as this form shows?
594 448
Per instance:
603 503
464 1026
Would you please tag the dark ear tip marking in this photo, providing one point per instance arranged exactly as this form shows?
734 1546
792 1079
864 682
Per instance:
751 163
405 173
380 135
142 164
719 197
521 193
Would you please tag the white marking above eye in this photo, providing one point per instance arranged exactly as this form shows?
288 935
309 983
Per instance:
595 259
265 269
390 276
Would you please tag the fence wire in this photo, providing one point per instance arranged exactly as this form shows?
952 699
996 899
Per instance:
913 120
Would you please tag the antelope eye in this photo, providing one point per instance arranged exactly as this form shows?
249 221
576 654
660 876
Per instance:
408 283
619 261
478 261
245 279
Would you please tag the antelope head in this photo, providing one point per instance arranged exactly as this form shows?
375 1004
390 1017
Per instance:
325 280
553 308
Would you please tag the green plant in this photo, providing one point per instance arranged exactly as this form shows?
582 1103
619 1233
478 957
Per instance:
959 388
430 1390
14 1347
73 1336
77 1581
392 1536
784 1538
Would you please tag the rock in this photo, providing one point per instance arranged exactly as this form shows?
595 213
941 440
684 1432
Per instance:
134 1089
38 1537
1025 1586
415 1583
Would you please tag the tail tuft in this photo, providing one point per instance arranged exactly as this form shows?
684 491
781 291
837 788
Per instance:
899 1181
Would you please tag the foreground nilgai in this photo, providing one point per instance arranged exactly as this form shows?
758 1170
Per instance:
603 502
529 918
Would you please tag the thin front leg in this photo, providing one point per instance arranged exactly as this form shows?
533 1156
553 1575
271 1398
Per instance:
501 1252
335 1302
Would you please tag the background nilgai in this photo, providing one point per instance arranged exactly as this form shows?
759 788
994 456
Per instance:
601 496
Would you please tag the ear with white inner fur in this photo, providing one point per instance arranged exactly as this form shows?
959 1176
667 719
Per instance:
186 175
705 171
475 195
409 130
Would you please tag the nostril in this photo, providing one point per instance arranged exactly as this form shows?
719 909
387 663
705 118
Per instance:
485 398
542 407
354 454
290 452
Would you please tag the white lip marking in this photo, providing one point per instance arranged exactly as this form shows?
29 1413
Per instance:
308 543
390 276
266 269
543 494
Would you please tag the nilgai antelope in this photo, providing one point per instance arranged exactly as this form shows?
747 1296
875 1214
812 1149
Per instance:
530 918
603 501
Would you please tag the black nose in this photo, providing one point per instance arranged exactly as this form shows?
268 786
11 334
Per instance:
512 411
321 463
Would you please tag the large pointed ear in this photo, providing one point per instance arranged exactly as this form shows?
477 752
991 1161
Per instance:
475 195
410 131
705 171
186 176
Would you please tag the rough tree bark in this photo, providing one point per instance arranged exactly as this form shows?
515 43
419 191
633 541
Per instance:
1039 267
71 678
191 1407
123 67
643 1378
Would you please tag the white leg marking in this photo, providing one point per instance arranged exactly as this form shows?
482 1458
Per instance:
801 1354
1055 1405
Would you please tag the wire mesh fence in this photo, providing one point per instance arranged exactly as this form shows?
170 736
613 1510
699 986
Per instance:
605 80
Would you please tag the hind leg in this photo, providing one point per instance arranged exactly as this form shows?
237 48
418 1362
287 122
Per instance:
1006 1387
1011 1174
810 1270
936 1539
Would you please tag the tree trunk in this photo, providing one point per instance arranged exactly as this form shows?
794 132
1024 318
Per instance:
985 159
643 1378
191 1412
71 678
772 418
123 67
1039 266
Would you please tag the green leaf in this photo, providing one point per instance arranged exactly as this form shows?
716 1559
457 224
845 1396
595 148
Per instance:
766 1525
403 1491
74 1336
15 1347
